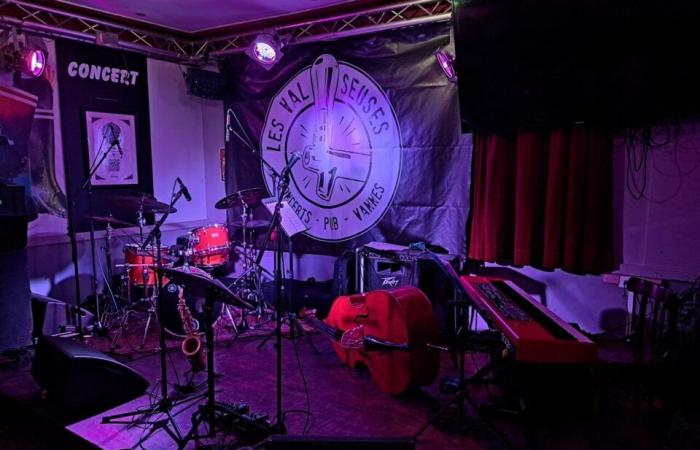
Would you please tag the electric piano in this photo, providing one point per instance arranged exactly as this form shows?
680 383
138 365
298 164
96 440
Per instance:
530 332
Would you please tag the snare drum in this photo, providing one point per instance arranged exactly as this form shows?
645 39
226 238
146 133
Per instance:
210 245
141 265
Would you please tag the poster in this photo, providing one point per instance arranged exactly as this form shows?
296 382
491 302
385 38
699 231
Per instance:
112 148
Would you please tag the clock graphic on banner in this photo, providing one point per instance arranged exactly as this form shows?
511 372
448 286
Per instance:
343 127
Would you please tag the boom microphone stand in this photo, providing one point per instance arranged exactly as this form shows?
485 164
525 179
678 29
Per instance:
165 404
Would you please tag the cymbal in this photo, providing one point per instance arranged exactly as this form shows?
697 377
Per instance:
111 220
142 200
248 197
251 224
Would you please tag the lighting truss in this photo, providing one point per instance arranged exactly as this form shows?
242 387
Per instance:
382 18
52 21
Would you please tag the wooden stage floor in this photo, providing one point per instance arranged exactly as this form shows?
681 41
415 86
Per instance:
341 402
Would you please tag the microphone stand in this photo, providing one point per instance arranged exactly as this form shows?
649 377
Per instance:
165 404
276 225
74 244
87 186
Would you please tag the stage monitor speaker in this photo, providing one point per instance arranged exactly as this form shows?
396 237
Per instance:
81 379
283 442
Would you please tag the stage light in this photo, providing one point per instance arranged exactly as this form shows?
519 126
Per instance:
34 62
20 54
266 49
447 64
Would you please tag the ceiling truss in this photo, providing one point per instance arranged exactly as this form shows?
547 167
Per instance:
54 22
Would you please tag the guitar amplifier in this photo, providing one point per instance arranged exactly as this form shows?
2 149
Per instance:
386 266
13 218
386 272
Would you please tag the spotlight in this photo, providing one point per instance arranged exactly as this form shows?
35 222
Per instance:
266 49
447 64
20 55
34 62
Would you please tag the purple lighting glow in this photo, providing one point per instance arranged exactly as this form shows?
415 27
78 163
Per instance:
35 61
264 52
266 49
447 65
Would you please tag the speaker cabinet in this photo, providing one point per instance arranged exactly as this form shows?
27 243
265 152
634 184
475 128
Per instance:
81 379
283 442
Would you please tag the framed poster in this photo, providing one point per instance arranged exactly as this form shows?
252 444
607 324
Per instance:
112 137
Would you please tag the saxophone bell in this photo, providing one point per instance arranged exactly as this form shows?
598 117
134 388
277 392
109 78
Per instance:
191 345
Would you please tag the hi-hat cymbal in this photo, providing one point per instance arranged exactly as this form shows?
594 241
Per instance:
251 224
146 202
111 220
247 197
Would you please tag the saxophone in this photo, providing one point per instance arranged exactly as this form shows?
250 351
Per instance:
192 345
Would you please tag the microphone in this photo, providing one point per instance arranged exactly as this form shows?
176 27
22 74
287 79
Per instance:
115 131
119 147
293 159
184 190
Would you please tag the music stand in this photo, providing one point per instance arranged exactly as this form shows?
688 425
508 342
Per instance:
213 290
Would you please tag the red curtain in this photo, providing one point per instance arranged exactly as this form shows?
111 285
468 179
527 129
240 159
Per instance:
543 199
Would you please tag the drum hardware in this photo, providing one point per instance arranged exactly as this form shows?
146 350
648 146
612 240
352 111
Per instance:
109 220
141 221
250 197
144 202
251 224
248 285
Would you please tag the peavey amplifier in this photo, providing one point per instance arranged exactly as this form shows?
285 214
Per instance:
385 266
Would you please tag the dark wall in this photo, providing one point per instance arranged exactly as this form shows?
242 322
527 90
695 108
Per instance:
126 93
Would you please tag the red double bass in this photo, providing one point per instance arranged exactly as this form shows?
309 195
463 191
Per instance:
387 331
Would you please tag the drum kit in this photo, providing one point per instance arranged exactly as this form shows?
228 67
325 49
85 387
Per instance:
179 282
207 251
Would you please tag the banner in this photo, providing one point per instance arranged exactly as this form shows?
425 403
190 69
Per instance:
374 126
104 117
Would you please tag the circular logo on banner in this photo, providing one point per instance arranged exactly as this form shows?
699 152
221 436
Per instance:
340 124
